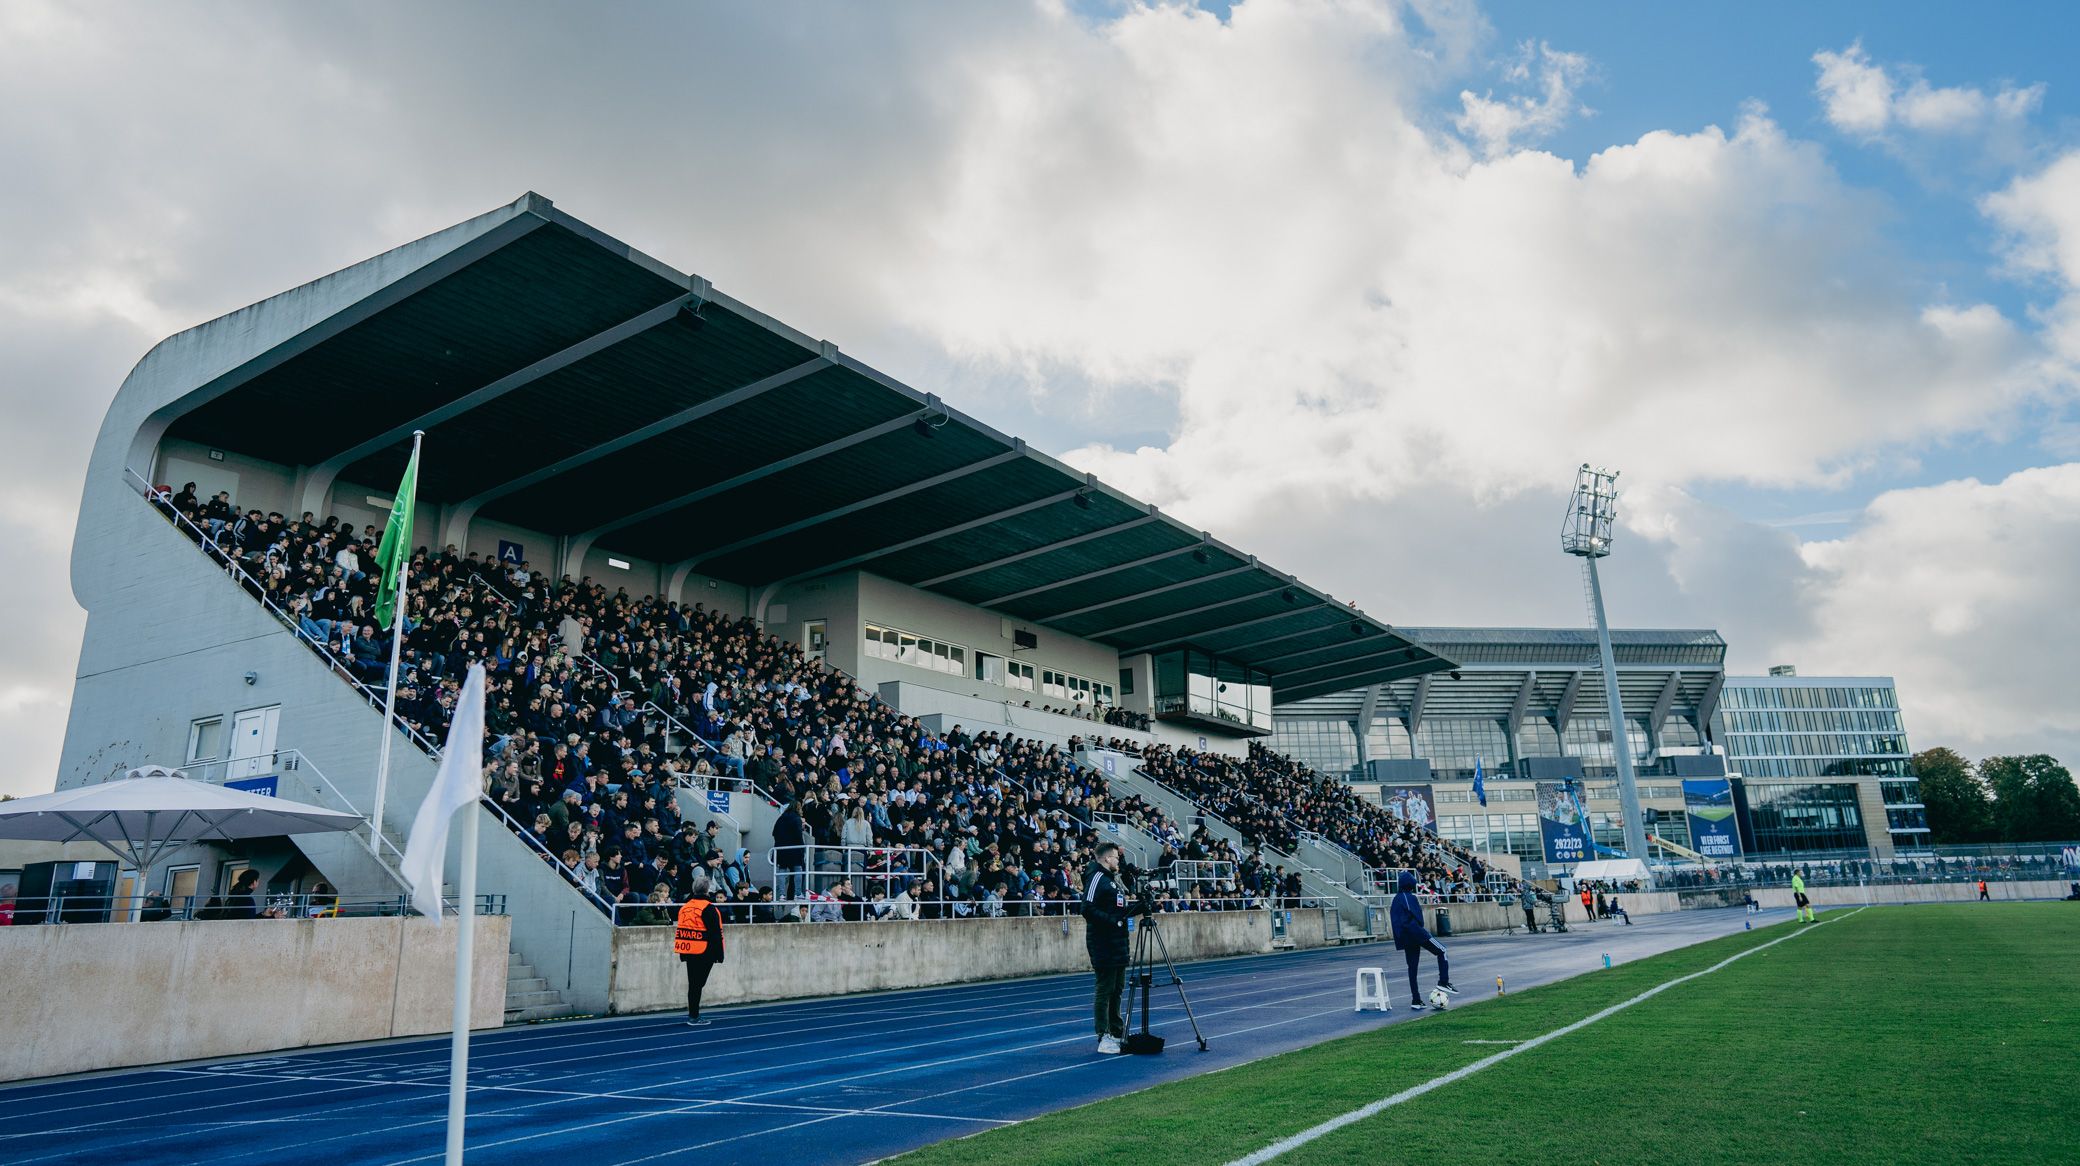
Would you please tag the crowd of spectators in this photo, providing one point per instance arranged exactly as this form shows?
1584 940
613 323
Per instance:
601 707
584 688
1272 799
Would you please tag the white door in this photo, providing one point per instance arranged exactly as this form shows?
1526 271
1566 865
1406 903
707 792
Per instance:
816 638
252 743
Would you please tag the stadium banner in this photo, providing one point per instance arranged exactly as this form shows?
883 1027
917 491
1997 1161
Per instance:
1411 803
510 553
1560 824
1708 802
264 786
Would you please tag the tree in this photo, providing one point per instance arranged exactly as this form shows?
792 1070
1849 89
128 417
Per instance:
1959 810
2035 799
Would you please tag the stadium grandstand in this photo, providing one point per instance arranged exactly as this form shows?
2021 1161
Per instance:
749 609
1817 765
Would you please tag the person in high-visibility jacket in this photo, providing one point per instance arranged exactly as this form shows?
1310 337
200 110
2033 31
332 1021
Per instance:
1799 900
698 940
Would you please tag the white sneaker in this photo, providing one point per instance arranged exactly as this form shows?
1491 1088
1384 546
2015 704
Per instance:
1108 1044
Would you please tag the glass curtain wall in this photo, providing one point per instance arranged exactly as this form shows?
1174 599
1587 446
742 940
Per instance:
1200 684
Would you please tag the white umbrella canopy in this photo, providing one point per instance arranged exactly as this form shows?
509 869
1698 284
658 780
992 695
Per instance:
153 809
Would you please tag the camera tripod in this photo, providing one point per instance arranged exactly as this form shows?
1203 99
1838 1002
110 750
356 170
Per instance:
1148 946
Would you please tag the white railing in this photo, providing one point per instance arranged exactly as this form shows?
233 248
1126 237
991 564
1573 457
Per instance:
492 590
295 761
874 866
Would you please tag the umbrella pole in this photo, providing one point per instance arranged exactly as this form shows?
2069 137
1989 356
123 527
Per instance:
465 934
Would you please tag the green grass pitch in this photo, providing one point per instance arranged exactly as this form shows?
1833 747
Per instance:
1937 1034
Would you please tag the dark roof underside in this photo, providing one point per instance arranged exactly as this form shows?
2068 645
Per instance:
569 386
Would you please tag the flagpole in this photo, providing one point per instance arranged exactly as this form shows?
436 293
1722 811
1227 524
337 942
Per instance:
465 951
404 562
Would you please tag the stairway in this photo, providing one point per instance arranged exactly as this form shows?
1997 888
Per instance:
528 996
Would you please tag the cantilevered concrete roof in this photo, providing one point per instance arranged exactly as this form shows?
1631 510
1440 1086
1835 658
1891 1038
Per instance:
573 385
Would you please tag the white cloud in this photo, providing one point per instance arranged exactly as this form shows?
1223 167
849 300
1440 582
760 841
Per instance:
2041 213
1866 100
1500 124
1962 591
1343 300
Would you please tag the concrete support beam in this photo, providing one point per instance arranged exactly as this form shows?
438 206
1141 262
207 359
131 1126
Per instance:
1664 702
1100 573
836 512
1042 549
1190 611
657 428
1708 705
1159 645
765 471
934 536
1564 711
1154 591
1515 723
1414 713
641 322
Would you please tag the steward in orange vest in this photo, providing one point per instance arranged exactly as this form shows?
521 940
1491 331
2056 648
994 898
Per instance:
698 940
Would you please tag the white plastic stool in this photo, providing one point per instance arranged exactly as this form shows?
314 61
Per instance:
1372 989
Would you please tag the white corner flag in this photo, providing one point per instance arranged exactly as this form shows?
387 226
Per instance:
459 783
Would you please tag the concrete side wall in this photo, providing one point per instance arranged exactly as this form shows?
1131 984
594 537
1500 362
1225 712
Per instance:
780 962
943 709
102 995
897 605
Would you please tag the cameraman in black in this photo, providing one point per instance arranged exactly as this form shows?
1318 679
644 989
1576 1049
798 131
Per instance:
1105 913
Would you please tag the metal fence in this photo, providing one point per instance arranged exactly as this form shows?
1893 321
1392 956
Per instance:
113 908
826 909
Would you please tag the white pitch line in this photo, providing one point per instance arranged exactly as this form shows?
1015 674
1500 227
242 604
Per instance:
1287 1145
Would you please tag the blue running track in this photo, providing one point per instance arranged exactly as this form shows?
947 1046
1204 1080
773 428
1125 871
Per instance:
845 1079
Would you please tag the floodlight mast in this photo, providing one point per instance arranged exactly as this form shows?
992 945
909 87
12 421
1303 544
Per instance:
1592 513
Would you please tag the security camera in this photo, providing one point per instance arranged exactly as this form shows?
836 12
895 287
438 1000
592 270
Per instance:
252 678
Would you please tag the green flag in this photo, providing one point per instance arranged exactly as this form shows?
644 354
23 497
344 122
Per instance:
397 542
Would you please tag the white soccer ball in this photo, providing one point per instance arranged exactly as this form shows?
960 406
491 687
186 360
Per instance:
1440 999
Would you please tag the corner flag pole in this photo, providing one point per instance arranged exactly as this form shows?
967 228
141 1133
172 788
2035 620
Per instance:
458 1047
399 602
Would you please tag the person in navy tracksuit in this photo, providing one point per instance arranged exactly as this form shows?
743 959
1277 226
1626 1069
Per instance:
1414 939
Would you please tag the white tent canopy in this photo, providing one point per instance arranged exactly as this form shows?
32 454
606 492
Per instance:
1611 870
151 810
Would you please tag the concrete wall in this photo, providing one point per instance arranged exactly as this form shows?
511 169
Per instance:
942 710
786 961
91 996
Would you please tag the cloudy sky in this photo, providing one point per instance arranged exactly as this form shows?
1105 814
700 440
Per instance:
1355 284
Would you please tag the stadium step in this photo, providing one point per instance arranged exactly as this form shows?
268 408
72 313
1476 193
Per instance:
529 996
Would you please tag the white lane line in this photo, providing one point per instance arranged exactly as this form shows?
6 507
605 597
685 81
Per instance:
565 1131
1254 987
1287 1145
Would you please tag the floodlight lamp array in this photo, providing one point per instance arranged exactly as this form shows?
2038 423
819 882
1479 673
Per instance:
1592 513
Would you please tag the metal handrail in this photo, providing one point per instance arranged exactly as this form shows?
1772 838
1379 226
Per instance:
54 909
492 589
527 836
605 671
651 706
302 761
951 910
